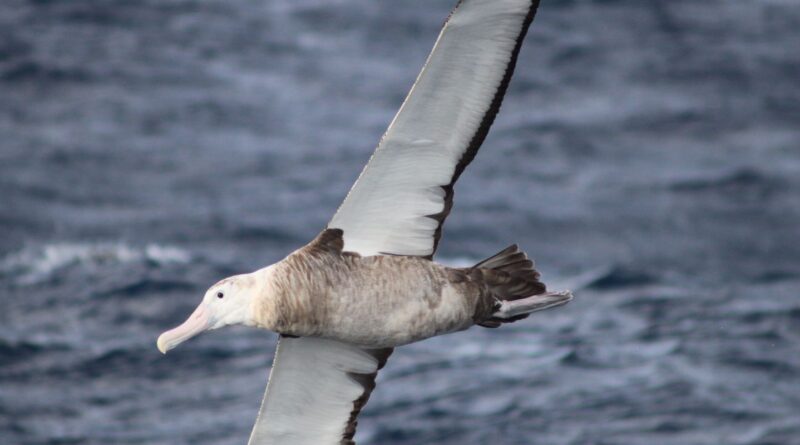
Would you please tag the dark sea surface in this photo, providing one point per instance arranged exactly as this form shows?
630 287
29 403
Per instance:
647 155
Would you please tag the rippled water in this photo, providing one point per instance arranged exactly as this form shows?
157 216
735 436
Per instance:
647 155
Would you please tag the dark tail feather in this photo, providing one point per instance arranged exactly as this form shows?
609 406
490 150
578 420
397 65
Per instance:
510 276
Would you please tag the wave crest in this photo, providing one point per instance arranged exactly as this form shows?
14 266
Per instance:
33 265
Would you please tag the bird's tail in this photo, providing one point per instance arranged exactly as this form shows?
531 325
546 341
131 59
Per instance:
514 283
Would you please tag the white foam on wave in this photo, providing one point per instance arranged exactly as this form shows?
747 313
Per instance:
35 264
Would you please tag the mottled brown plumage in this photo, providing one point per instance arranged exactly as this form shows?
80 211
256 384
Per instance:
386 301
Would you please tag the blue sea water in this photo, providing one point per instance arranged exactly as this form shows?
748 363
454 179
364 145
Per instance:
647 155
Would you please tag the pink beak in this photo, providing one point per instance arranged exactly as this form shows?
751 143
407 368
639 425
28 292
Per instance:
198 322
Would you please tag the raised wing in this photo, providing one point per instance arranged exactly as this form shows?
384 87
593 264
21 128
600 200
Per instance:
316 389
398 204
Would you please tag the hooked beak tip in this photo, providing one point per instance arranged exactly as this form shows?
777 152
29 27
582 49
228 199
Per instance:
161 344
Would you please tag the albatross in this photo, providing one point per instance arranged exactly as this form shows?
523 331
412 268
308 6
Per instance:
368 283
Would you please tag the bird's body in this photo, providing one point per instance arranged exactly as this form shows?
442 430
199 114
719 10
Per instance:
374 302
367 282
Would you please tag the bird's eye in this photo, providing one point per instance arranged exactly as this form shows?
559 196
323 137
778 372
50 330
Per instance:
220 295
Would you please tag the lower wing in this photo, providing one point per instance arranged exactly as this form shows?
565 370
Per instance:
316 390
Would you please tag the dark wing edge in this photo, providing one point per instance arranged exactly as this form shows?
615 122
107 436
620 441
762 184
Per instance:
368 382
483 129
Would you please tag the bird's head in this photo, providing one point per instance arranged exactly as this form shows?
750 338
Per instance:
225 303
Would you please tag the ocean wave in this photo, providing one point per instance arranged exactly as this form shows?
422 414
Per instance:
619 277
741 178
37 264
35 71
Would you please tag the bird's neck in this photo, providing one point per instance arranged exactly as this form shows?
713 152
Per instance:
262 312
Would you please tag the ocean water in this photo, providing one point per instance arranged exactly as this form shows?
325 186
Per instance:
647 156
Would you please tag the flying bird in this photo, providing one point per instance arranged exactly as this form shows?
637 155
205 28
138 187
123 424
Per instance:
367 283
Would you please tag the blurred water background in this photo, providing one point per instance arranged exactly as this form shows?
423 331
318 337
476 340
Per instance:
647 155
